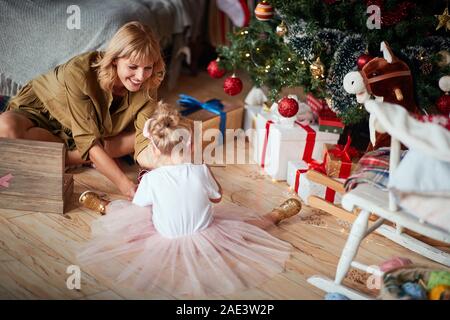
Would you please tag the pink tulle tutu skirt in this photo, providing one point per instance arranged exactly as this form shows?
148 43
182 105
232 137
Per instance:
230 255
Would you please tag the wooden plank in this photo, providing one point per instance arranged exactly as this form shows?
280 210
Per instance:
282 288
12 213
23 283
35 204
309 292
5 294
67 237
44 261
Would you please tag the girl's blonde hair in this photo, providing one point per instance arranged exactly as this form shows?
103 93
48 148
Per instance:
163 128
136 42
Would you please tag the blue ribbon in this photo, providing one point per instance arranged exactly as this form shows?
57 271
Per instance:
192 105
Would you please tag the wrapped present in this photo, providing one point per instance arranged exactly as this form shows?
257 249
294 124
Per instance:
275 143
316 104
329 122
298 180
212 114
340 161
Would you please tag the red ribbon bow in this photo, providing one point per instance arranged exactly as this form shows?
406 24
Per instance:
317 166
345 153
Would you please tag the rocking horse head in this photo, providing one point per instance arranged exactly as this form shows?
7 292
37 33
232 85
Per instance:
388 79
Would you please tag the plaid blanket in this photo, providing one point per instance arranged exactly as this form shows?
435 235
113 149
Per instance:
373 168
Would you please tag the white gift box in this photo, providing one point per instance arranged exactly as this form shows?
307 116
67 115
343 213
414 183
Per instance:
296 177
285 142
250 113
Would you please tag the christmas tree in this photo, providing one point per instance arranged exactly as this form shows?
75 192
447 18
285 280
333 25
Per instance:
314 44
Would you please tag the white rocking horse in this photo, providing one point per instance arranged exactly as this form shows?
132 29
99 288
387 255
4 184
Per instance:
427 138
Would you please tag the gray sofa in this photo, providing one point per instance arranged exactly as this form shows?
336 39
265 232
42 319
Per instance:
38 35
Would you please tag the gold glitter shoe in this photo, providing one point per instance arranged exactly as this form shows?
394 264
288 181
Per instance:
93 201
287 209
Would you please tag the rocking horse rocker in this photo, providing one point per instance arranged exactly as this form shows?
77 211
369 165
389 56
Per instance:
389 81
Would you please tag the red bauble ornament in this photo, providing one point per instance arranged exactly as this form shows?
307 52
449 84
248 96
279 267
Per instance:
443 104
287 107
232 85
363 60
214 70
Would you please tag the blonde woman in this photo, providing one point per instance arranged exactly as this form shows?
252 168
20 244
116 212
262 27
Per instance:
96 103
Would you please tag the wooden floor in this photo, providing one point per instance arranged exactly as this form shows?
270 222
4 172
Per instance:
37 248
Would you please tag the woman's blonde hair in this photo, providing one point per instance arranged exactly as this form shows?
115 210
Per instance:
163 128
136 42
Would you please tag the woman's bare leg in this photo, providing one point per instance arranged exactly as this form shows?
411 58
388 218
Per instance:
40 134
14 125
17 126
116 147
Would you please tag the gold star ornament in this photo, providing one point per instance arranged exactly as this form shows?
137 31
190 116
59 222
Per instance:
444 20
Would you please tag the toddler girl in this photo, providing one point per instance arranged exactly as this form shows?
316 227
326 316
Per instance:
171 237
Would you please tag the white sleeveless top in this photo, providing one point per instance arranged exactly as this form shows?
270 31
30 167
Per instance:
180 197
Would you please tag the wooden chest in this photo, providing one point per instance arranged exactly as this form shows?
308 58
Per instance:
38 182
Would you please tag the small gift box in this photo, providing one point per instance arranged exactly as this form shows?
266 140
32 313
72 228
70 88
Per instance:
329 122
340 161
212 114
315 104
275 143
298 180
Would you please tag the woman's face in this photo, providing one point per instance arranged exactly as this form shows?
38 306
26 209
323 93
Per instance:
132 75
